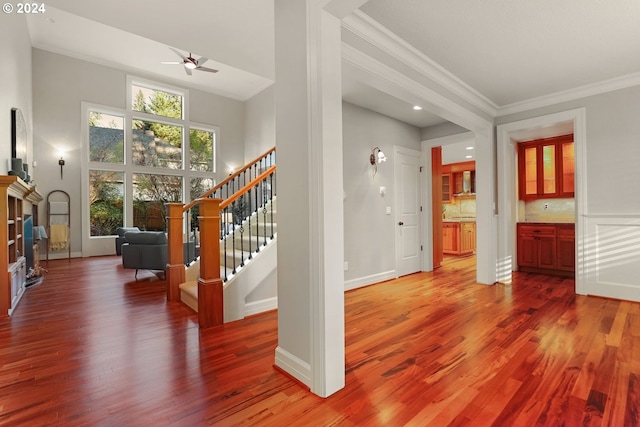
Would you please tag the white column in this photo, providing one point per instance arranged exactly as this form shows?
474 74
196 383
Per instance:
310 209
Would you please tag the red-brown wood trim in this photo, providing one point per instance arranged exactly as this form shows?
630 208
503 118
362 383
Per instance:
436 197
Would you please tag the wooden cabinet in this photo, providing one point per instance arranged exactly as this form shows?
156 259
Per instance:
16 200
450 237
546 168
464 183
467 237
546 248
458 180
458 238
566 247
446 187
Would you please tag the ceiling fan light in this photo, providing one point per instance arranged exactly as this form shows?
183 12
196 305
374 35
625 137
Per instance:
190 65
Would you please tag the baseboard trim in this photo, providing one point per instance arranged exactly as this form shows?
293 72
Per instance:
294 366
261 306
369 280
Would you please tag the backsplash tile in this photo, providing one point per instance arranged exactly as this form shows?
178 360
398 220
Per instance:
460 208
558 210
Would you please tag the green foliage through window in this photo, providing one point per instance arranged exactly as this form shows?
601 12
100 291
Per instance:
106 192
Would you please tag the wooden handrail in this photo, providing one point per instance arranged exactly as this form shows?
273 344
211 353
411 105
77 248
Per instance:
235 195
247 187
237 173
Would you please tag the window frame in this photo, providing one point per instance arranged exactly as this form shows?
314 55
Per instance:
127 167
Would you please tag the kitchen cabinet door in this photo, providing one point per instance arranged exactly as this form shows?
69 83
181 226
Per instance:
467 237
450 232
446 188
566 247
547 252
546 168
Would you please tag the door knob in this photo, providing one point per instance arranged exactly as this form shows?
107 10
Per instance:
401 223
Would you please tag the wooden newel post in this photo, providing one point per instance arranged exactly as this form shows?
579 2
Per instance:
175 264
210 291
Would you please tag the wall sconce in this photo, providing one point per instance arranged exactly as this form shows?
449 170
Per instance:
377 156
61 163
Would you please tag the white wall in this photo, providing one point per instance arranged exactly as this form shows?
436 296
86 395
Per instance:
15 85
612 148
607 200
369 232
61 83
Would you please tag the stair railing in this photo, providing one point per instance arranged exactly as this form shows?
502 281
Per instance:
225 189
214 228
247 222
242 177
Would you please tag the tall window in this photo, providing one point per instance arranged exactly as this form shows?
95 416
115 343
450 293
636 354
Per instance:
143 157
106 190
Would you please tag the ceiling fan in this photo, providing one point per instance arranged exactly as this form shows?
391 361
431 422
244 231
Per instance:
190 63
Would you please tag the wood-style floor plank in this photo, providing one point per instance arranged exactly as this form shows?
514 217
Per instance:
92 346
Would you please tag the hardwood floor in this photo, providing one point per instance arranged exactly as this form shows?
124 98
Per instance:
91 346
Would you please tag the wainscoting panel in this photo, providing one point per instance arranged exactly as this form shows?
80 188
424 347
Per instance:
612 256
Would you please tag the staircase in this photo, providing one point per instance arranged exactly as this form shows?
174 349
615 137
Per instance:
247 261
236 224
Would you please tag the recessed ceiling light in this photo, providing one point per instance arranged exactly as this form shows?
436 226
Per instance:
469 148
417 107
469 157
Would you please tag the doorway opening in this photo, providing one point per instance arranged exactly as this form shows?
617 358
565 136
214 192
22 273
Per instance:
453 171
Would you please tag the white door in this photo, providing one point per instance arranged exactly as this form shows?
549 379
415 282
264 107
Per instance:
407 203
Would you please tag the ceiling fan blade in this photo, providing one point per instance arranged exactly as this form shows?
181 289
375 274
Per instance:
209 70
172 62
202 60
187 70
184 58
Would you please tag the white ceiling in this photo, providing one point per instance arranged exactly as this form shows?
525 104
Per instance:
507 52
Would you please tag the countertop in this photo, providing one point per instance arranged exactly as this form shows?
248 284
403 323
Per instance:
463 219
545 223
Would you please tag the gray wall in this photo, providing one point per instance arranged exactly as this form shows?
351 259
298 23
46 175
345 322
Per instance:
61 84
260 126
15 84
369 237
612 148
441 130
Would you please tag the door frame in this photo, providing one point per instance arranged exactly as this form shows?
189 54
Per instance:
507 136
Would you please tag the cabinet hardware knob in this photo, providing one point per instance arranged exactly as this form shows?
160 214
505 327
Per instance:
401 223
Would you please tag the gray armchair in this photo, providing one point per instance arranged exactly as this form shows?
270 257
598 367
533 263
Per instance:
120 239
145 250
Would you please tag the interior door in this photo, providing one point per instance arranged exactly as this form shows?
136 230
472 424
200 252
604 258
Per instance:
407 203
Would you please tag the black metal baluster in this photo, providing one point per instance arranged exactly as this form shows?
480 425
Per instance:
271 198
249 224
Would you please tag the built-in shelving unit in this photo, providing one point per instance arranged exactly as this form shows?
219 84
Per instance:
17 199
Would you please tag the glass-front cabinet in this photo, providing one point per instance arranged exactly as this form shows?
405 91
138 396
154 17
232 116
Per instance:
546 168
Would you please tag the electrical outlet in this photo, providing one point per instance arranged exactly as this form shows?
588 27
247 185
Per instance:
346 265
546 205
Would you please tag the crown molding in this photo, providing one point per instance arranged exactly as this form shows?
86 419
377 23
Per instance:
571 94
363 26
377 35
393 79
